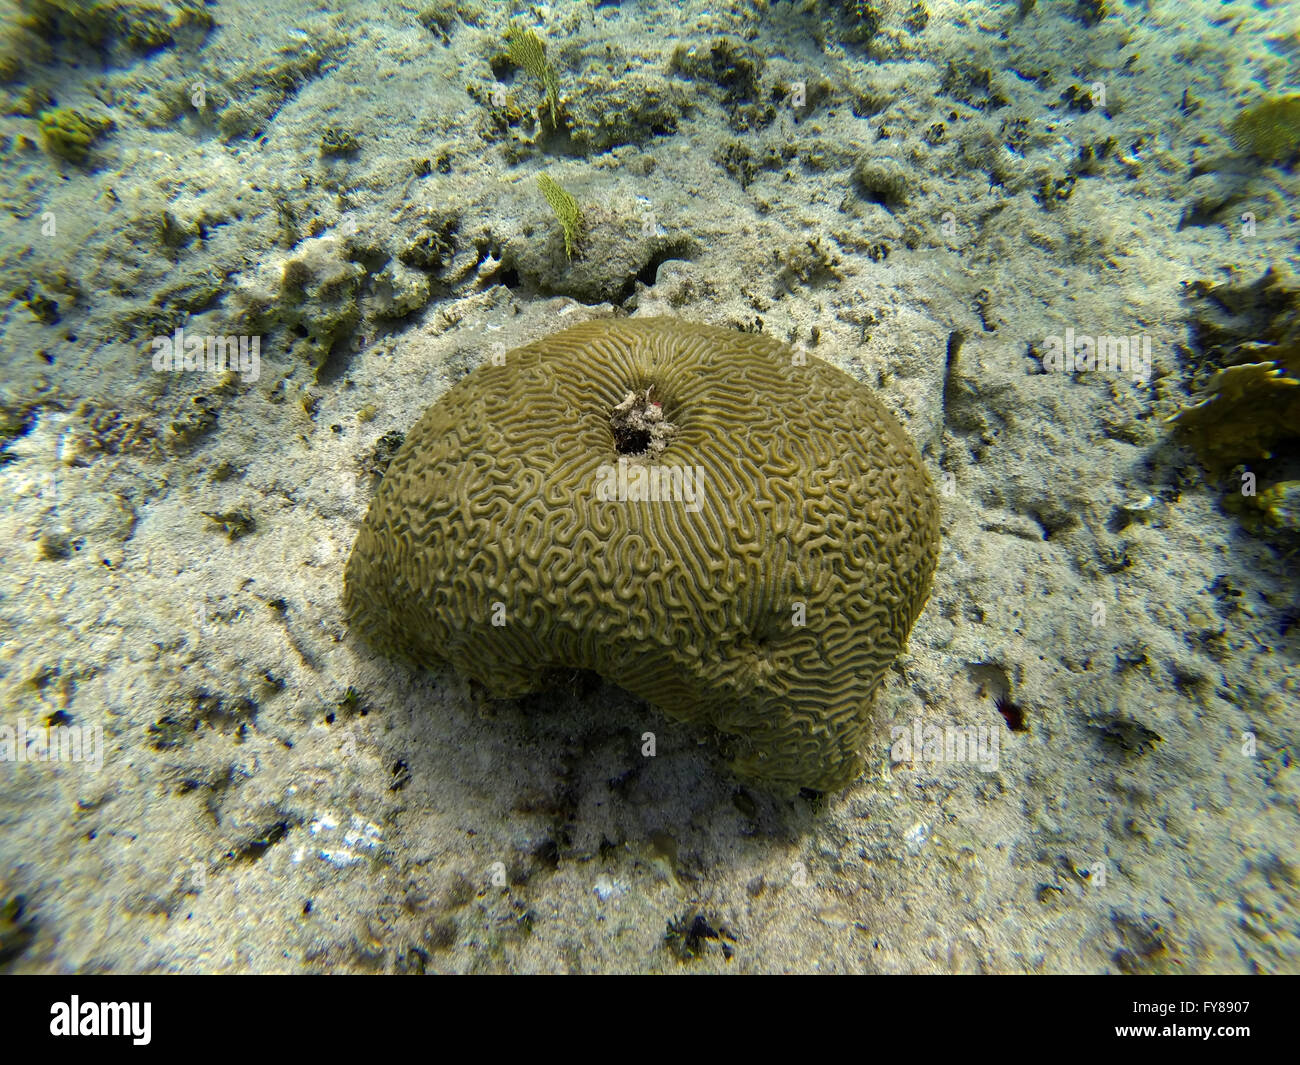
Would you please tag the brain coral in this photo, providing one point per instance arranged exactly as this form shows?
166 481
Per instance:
740 535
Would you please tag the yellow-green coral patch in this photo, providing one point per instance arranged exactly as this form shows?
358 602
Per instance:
68 134
1270 129
1243 414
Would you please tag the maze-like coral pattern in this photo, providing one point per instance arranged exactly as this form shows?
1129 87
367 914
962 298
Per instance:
487 547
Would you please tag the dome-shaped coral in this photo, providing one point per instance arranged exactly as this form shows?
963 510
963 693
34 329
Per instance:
741 535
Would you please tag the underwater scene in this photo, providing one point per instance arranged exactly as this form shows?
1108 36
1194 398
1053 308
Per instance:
768 486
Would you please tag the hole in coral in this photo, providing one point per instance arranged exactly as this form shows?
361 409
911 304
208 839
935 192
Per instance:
639 425
631 441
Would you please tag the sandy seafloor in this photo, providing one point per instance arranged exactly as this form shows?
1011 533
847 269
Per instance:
250 815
